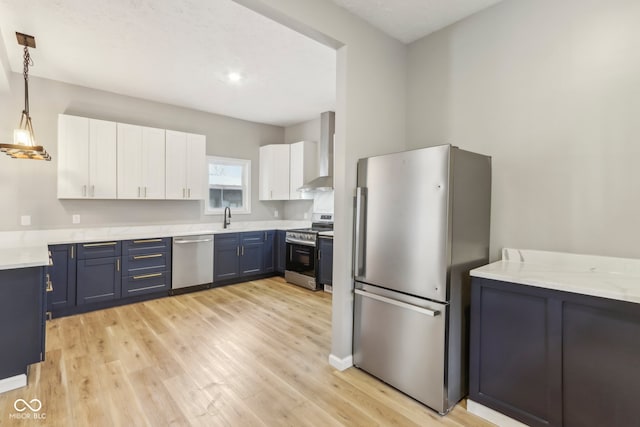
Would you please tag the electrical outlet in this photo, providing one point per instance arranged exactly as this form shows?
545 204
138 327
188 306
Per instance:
275 213
25 220
306 216
75 219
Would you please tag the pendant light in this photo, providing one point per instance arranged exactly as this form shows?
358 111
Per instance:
24 141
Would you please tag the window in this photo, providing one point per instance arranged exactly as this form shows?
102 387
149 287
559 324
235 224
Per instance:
229 185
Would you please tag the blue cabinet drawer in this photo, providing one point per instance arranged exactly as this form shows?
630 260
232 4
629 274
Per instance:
226 240
254 237
145 246
99 250
146 283
143 263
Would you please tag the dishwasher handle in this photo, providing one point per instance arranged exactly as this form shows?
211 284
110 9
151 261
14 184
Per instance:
182 242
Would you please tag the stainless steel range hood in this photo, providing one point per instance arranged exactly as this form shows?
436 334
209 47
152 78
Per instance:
325 155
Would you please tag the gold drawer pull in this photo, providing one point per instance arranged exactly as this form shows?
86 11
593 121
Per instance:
49 283
147 241
93 245
147 276
147 256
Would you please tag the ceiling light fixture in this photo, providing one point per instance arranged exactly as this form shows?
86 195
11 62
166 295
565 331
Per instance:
24 140
234 77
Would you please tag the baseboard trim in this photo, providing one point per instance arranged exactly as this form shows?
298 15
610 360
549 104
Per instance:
341 364
492 415
12 383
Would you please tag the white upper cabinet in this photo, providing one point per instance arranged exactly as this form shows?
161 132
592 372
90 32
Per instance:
303 168
141 162
274 172
185 165
86 158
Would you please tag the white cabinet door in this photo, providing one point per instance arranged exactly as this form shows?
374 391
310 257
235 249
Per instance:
303 168
102 159
196 166
176 165
153 163
185 165
129 161
86 158
274 172
73 157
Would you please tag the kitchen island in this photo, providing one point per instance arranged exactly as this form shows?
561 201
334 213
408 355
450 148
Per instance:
555 340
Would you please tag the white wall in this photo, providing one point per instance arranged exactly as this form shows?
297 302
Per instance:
28 187
370 120
551 90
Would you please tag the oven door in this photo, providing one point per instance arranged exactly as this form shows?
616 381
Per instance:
301 258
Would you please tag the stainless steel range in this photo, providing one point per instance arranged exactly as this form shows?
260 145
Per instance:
302 253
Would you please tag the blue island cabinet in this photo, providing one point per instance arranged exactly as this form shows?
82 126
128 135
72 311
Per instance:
22 320
553 358
99 274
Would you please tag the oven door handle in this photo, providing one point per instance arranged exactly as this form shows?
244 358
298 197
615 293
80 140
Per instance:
300 242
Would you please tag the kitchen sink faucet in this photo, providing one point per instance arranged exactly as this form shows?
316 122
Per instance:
227 219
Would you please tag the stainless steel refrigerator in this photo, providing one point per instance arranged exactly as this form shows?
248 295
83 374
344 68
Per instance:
421 223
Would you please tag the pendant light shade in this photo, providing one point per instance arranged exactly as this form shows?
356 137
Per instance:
24 140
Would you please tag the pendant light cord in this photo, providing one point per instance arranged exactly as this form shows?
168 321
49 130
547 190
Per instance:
27 62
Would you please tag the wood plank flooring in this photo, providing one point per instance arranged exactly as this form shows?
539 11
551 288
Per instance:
252 354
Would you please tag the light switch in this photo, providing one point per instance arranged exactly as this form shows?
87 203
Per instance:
275 213
75 219
25 220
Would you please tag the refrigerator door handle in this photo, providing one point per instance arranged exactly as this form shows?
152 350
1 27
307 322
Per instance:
358 249
401 304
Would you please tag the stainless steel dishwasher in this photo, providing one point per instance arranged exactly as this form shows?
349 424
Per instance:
192 261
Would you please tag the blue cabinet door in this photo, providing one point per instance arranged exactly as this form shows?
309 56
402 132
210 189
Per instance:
269 253
63 277
325 261
99 279
280 251
226 256
22 306
251 253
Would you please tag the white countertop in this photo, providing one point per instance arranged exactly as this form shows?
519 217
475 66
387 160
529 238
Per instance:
19 249
326 233
606 277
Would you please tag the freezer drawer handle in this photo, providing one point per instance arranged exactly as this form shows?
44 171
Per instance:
180 242
412 307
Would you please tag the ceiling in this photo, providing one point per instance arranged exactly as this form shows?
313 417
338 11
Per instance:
180 52
410 20
177 52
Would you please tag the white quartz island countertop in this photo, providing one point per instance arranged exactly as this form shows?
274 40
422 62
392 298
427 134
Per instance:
21 249
606 277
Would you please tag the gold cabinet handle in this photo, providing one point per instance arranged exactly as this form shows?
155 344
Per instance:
137 242
49 283
147 256
237 250
72 248
147 276
118 264
94 245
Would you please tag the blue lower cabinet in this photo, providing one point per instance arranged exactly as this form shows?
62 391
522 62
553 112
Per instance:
99 279
226 256
325 260
62 274
280 246
269 252
251 253
22 314
146 284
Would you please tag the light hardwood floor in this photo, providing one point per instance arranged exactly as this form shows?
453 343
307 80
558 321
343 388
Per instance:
243 355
